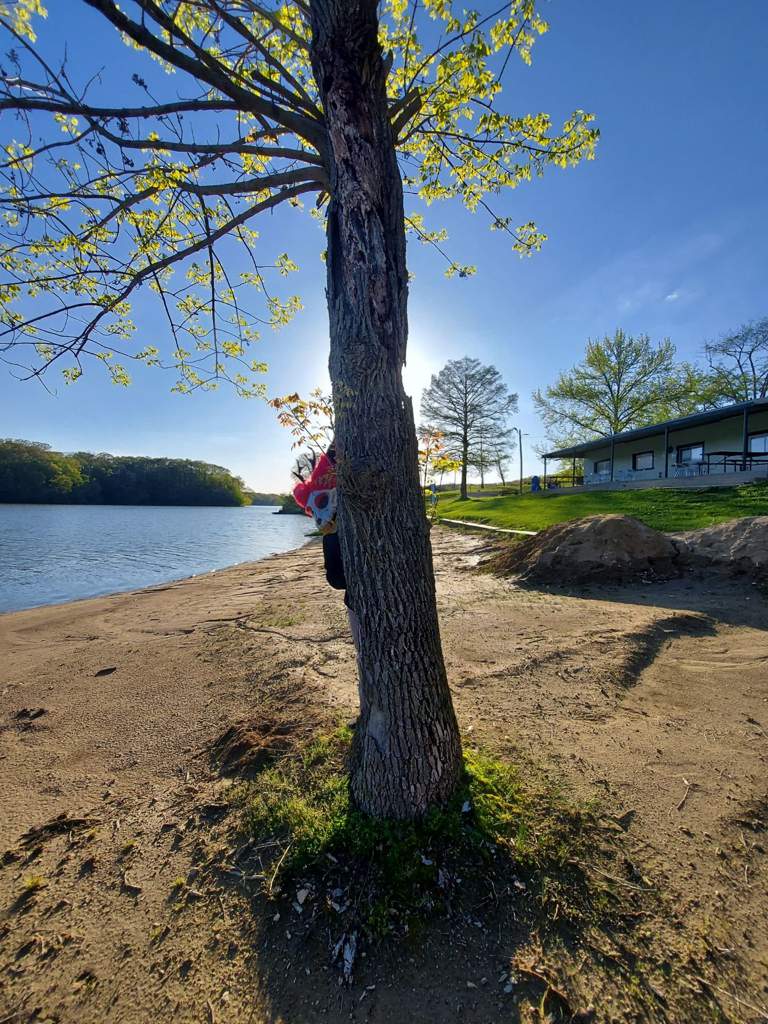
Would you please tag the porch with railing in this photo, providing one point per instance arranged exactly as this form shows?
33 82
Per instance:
716 447
718 463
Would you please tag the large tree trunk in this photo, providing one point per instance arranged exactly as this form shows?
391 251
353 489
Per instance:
407 751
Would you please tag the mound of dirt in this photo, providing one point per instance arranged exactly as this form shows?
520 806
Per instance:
739 546
609 548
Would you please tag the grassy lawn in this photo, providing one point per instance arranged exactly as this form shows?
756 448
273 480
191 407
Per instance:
660 508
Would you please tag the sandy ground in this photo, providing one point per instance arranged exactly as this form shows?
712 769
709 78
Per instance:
653 696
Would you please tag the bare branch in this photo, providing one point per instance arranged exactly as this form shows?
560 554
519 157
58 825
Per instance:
75 107
209 72
245 33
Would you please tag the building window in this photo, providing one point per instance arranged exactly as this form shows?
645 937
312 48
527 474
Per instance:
759 442
603 466
689 453
642 460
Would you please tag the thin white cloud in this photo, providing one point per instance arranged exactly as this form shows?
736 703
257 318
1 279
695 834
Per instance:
639 277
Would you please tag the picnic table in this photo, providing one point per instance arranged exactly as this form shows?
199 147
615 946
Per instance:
738 460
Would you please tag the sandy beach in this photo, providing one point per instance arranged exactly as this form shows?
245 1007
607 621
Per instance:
654 697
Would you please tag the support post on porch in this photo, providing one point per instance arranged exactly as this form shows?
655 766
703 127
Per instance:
613 451
745 440
666 452
573 471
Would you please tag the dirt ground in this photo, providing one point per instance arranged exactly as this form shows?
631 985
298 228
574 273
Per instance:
654 697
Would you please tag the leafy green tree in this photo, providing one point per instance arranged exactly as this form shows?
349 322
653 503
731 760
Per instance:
158 195
622 382
264 498
288 506
31 472
738 364
469 403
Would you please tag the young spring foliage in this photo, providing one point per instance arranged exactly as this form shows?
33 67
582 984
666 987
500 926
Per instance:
310 420
622 382
115 189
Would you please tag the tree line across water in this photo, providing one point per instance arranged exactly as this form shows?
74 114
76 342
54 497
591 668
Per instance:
30 472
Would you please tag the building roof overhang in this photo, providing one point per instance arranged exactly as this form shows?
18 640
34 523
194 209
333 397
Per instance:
725 412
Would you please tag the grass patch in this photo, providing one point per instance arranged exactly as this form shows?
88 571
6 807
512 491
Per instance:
664 509
390 873
517 872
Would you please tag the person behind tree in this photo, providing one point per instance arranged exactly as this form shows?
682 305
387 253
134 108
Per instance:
315 492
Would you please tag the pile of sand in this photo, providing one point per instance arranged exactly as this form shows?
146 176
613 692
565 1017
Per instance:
739 546
610 549
619 549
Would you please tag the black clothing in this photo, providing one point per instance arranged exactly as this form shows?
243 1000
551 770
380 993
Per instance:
334 569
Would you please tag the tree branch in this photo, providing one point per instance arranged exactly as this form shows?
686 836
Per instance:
152 269
60 106
301 125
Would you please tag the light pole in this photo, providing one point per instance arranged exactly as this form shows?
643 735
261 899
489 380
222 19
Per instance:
520 437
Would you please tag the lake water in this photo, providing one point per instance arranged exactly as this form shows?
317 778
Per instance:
53 553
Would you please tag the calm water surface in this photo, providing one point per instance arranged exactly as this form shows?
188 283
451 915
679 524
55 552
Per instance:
52 553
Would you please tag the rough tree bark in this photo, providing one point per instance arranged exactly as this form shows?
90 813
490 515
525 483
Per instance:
407 752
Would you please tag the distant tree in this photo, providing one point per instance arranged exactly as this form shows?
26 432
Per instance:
479 456
492 451
622 382
467 401
31 472
289 506
738 364
264 497
501 456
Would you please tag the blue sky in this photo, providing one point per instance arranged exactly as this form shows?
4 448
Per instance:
666 232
